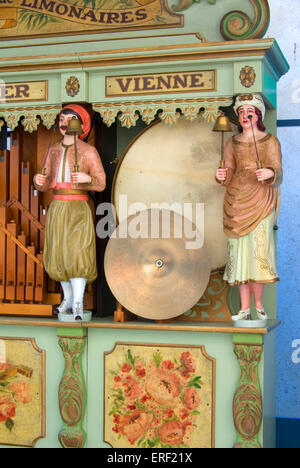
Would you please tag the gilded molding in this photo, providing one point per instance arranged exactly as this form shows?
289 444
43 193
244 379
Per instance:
247 402
168 111
31 116
72 393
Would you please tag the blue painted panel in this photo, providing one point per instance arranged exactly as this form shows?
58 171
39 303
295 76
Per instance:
288 344
287 433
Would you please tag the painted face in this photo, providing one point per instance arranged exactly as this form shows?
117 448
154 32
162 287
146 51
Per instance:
63 122
244 112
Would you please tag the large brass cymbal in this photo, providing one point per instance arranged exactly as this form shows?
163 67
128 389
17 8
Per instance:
156 277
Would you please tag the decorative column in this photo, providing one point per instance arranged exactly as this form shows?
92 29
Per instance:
247 402
72 388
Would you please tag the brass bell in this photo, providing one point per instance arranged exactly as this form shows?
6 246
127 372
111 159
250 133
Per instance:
222 124
74 127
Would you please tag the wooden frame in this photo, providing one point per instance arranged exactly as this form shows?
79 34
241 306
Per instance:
164 91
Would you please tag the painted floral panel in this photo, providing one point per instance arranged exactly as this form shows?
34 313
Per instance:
21 392
159 396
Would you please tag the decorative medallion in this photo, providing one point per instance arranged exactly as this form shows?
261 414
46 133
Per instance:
247 76
159 396
72 86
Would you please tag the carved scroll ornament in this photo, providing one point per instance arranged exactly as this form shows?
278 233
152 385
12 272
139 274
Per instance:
236 25
72 394
247 402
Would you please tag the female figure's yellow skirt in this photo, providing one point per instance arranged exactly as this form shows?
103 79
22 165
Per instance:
252 258
70 241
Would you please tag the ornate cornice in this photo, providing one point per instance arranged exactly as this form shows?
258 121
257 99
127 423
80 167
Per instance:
168 111
204 51
31 116
128 113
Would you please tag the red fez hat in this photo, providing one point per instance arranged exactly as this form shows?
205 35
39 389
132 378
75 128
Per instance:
84 115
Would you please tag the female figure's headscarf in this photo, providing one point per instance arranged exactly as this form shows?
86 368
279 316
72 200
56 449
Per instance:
255 100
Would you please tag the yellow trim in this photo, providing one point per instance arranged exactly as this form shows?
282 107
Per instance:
275 280
137 38
219 327
78 60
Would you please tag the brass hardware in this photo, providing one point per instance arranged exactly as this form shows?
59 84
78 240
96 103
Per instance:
74 127
222 124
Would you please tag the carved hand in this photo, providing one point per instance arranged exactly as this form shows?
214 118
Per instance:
264 174
40 179
221 174
81 178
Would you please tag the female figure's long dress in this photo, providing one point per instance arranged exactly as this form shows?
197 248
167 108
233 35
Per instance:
249 212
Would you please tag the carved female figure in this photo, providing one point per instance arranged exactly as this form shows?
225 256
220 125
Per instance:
70 245
251 176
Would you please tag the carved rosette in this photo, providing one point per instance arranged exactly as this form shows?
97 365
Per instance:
168 111
247 76
247 402
72 86
72 393
30 116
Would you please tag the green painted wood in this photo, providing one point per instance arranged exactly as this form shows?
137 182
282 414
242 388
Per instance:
218 345
72 388
248 400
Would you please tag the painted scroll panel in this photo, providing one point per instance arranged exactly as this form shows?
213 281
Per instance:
22 381
34 18
159 396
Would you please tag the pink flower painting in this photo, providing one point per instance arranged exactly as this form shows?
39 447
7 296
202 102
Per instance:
155 402
14 390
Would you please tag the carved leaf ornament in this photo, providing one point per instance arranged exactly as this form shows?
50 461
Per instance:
168 111
236 25
247 402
